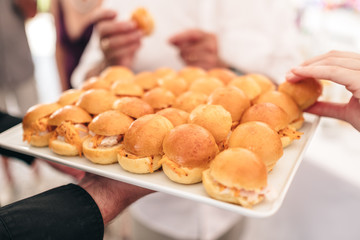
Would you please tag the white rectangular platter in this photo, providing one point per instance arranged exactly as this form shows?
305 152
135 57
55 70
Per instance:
279 179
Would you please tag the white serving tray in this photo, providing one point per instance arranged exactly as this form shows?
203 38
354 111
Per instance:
279 179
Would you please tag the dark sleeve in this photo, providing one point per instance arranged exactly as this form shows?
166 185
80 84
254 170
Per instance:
66 212
6 122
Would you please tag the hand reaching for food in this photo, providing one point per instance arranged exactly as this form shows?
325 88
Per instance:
120 40
339 67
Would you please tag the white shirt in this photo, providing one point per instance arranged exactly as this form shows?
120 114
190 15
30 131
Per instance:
255 36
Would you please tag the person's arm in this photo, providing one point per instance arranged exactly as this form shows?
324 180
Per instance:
59 50
342 68
68 212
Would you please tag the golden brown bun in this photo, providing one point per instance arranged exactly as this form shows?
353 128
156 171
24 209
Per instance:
100 155
176 116
146 80
38 111
223 74
232 99
95 83
69 97
96 101
297 124
214 118
40 140
264 82
191 74
259 138
250 87
165 72
144 20
139 165
190 146
282 100
305 92
176 85
133 107
206 85
127 89
239 168
234 172
110 123
159 98
116 73
71 113
179 174
190 100
63 148
268 113
145 136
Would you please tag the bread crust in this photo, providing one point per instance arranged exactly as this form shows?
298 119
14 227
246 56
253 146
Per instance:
259 138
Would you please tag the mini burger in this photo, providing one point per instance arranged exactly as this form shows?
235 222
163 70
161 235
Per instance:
223 74
146 80
251 88
175 84
106 132
116 73
188 150
305 92
71 129
286 103
215 119
165 72
36 130
144 20
236 175
191 74
190 100
133 107
259 138
142 146
126 89
96 101
275 117
175 116
233 100
95 83
206 85
69 97
159 98
264 82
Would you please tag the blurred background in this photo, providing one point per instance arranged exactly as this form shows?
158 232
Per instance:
323 201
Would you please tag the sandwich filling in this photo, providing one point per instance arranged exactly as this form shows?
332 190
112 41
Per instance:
104 141
174 166
71 133
40 128
152 162
290 132
252 196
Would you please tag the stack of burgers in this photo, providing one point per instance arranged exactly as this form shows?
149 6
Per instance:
214 127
